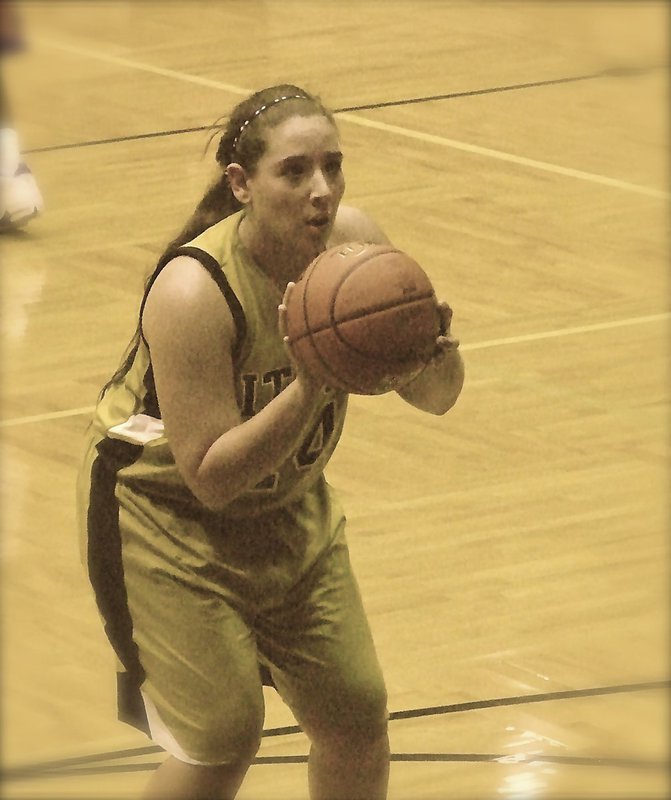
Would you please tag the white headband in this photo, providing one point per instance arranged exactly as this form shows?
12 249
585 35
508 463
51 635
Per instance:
261 110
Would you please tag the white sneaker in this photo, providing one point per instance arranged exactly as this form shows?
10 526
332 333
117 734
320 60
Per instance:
20 198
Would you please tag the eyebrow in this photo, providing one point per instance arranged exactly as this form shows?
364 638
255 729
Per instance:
301 158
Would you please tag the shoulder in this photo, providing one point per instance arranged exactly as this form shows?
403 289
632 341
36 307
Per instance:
354 225
184 297
183 279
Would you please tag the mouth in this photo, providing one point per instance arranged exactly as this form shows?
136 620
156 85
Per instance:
319 223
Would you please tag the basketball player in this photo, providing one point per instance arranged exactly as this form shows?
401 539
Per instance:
20 197
215 547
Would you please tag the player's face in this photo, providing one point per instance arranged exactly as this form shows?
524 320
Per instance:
297 186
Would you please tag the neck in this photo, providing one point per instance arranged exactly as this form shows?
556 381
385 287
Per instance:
275 258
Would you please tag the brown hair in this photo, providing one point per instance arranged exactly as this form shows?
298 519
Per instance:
244 141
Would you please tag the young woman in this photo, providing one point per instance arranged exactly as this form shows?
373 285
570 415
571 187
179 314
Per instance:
213 542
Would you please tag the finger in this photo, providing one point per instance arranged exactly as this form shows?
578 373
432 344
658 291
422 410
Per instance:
445 313
282 319
287 292
444 345
447 342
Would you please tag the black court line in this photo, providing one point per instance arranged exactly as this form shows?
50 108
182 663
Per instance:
418 758
76 764
365 107
470 93
522 699
117 139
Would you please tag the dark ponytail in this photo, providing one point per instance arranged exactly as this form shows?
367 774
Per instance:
243 141
217 203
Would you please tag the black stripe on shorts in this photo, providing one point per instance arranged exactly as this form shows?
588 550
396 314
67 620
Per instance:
105 568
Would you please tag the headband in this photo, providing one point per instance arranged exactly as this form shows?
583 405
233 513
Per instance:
261 110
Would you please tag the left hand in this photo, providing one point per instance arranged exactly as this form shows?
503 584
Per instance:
445 342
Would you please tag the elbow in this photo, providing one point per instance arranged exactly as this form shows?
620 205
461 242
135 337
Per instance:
207 497
216 491
437 403
449 399
441 406
442 402
441 410
210 491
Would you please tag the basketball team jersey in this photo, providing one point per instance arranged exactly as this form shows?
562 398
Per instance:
129 410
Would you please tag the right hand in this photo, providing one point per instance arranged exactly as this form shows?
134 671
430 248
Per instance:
309 382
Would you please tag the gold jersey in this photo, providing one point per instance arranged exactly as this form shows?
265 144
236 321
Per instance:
129 410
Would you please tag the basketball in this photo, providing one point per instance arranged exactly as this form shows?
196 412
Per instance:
361 317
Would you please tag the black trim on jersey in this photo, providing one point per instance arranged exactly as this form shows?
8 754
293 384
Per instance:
151 398
214 268
105 568
215 271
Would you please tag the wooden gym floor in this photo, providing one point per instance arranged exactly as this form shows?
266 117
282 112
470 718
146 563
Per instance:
513 555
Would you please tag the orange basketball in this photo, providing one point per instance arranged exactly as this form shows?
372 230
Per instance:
362 316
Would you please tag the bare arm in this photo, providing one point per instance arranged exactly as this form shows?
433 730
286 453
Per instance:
437 387
190 332
354 225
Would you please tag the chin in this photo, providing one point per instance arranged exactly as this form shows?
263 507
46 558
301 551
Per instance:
315 246
310 257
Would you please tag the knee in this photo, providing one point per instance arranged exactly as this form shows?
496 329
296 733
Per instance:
365 708
229 736
236 738
355 717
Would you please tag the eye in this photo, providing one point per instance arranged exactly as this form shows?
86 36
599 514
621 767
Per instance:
333 166
294 170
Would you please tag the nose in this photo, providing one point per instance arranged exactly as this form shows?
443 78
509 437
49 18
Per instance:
319 186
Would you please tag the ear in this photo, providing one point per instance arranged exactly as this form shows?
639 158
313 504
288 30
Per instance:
237 180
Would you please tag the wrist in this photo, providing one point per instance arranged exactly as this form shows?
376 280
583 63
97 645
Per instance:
307 388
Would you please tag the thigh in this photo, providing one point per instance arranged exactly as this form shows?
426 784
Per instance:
199 657
321 653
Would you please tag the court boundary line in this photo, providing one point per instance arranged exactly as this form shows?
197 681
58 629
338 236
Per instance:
75 765
506 340
417 758
364 122
363 107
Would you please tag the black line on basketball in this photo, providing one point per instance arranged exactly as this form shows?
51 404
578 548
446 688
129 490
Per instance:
339 381
353 268
376 356
359 315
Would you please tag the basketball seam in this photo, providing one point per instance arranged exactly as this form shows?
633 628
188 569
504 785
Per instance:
353 268
359 315
336 288
310 333
372 356
340 382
